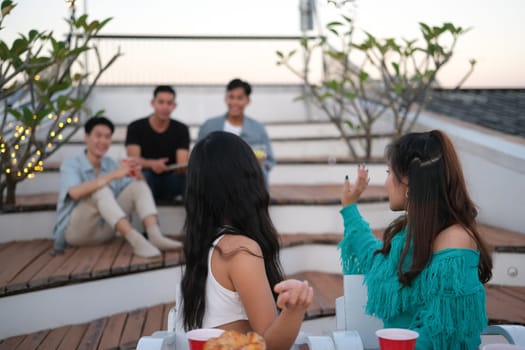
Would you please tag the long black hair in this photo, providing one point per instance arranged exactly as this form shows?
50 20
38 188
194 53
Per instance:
225 186
437 198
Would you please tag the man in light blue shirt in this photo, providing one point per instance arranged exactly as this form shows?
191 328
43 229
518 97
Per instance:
97 195
234 121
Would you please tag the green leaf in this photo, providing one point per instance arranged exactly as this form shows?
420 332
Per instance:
280 54
81 21
325 96
398 89
348 19
15 113
33 34
363 76
333 31
27 116
19 46
396 68
349 95
4 51
350 124
334 24
59 87
304 42
93 26
7 6
62 103
332 85
104 22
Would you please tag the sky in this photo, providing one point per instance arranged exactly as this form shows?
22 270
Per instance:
495 40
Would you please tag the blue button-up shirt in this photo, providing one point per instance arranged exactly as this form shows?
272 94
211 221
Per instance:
252 132
73 172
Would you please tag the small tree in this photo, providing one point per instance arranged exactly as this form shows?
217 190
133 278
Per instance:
43 89
349 95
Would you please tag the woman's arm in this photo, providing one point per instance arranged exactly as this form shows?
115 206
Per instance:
359 244
279 330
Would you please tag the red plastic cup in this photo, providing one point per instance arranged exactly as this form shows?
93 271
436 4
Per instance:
397 339
198 337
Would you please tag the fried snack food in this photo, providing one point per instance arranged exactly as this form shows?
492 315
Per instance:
232 340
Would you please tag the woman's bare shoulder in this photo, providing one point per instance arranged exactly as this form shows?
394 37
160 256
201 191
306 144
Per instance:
454 236
231 244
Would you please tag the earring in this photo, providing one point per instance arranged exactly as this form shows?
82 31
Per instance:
406 194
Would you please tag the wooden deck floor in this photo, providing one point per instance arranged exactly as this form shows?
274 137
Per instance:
122 331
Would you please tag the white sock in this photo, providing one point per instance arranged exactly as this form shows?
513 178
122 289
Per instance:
141 246
161 242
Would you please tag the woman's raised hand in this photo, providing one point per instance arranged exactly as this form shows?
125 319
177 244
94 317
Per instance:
351 193
293 295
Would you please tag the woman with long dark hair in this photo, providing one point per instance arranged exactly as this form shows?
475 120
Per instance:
427 273
233 279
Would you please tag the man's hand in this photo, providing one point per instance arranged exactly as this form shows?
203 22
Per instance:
123 170
159 165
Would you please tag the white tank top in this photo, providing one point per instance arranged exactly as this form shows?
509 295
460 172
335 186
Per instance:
222 305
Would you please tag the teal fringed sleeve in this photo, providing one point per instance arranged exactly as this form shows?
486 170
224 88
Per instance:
445 303
358 244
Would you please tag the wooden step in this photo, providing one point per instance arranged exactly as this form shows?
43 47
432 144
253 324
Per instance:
123 330
30 265
120 331
312 194
301 172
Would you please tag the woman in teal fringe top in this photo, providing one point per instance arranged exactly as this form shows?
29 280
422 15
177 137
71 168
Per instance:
427 273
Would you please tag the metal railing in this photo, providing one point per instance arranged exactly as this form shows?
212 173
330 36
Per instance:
196 59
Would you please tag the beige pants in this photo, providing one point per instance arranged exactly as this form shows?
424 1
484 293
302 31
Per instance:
94 218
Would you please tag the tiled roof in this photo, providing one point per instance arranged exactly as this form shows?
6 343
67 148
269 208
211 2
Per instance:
498 109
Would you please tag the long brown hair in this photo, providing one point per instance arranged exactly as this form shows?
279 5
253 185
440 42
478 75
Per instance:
437 199
225 186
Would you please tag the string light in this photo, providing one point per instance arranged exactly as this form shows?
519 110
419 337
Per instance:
52 134
60 136
68 120
50 116
17 147
30 175
60 125
49 145
38 152
8 171
37 77
22 137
